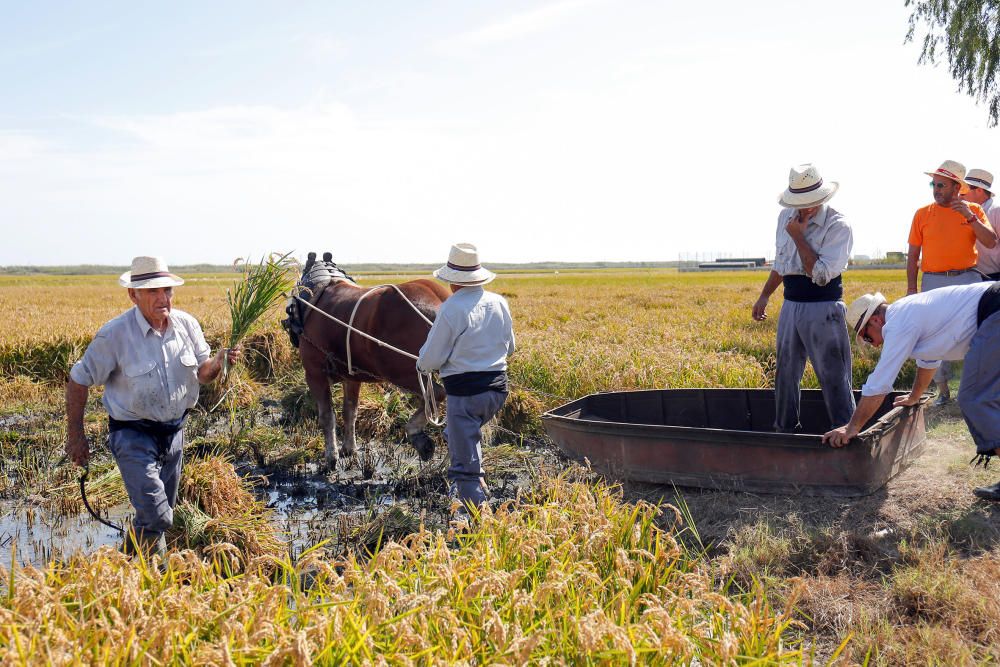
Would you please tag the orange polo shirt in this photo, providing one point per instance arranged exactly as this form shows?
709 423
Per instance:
946 239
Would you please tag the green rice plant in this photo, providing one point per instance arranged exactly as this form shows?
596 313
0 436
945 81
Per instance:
262 287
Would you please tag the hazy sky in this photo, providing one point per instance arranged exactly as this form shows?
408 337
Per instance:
385 131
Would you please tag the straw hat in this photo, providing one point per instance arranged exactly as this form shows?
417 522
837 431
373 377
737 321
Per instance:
149 273
980 178
463 267
950 169
861 310
806 188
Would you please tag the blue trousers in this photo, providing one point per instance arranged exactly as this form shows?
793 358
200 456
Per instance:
979 393
817 331
466 417
152 486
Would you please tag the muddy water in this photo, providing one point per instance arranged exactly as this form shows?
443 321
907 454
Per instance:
305 510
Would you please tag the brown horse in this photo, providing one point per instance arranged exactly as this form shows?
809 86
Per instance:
384 314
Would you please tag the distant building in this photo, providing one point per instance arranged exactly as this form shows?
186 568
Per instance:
895 256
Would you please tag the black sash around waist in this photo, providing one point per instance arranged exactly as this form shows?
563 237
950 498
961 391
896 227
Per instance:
989 303
803 289
162 433
476 382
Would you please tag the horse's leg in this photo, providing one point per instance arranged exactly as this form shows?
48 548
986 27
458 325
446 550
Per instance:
351 392
319 387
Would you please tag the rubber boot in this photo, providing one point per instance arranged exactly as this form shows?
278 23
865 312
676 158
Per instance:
148 543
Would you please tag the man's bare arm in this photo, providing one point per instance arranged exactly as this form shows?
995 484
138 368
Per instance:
912 261
759 311
867 406
77 447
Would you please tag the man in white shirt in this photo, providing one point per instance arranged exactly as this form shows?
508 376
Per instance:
980 192
469 343
813 244
948 323
151 360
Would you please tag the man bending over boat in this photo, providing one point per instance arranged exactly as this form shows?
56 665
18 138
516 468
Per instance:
813 245
948 323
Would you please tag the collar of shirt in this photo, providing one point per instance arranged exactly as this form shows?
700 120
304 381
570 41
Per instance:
819 218
987 205
145 327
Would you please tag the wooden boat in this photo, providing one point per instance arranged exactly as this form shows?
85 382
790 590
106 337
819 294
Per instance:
724 439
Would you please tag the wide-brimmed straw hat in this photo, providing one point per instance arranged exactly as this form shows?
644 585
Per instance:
149 273
980 178
861 310
463 267
806 188
951 170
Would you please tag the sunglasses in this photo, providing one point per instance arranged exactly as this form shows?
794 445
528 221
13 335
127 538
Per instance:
938 186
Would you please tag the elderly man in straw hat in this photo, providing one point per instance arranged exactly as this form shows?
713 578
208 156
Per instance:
954 322
943 239
151 360
469 343
980 192
814 244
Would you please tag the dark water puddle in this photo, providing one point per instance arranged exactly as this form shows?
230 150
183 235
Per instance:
305 510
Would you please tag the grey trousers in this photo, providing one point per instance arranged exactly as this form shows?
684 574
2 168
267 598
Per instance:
817 331
979 393
151 487
931 281
466 417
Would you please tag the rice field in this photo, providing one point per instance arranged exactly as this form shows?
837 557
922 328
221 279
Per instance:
275 561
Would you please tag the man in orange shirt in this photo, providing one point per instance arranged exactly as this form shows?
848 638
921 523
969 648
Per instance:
944 234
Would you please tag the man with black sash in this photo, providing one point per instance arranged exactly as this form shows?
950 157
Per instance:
947 323
472 336
151 360
813 246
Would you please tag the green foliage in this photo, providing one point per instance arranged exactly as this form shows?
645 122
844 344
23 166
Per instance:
261 288
966 33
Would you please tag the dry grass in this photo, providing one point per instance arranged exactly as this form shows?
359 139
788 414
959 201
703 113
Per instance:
568 572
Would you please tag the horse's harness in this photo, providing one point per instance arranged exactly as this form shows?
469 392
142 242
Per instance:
316 277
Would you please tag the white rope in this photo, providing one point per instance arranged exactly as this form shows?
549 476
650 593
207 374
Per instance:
425 380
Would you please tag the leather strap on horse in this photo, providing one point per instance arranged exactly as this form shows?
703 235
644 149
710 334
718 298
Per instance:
86 503
425 380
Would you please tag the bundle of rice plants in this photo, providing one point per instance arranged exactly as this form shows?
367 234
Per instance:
262 287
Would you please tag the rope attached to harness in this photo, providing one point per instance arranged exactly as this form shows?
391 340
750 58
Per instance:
425 380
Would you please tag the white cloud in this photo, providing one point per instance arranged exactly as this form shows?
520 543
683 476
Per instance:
516 26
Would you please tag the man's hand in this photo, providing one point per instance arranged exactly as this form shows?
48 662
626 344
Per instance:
962 208
760 308
231 354
909 399
797 225
78 449
839 437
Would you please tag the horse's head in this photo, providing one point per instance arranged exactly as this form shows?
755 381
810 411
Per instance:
318 273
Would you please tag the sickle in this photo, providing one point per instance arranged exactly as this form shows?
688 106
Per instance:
83 494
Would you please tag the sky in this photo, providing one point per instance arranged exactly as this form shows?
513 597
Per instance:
565 130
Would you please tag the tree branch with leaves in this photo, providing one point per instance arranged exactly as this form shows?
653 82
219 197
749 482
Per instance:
965 34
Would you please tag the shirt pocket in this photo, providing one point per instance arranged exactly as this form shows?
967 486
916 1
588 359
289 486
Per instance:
187 368
141 378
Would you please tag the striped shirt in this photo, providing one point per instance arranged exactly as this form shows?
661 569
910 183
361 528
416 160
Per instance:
989 258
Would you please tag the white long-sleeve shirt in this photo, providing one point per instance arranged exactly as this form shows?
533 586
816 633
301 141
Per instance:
830 237
473 332
929 327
